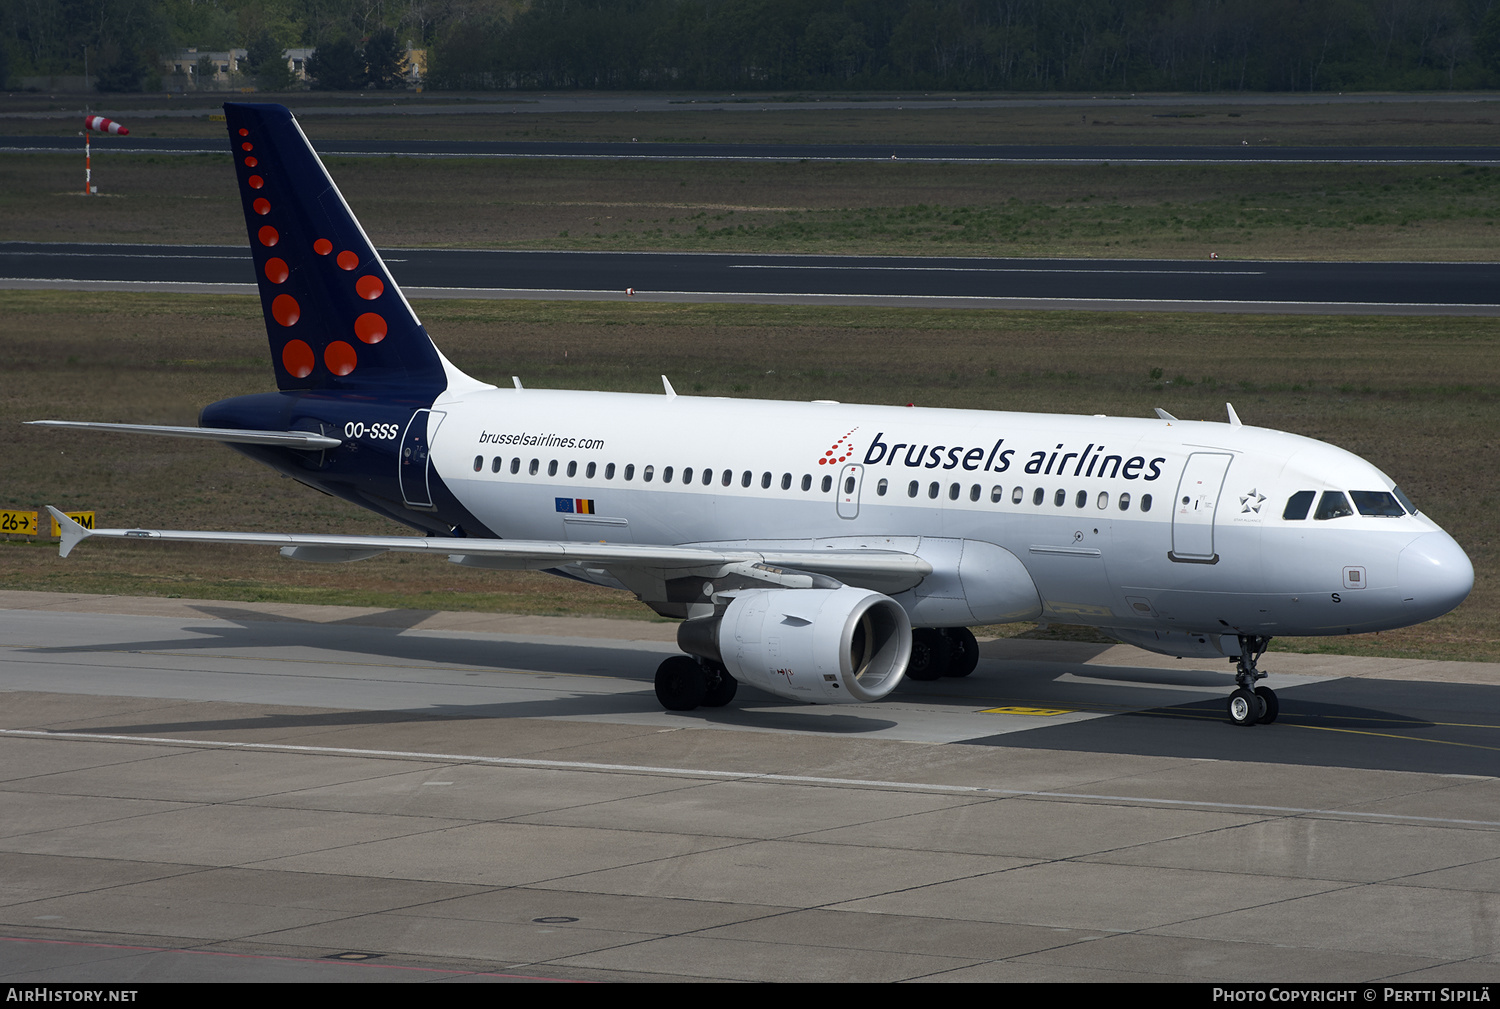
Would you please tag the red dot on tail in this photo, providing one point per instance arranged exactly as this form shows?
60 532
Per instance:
285 310
244 132
262 206
268 236
251 162
297 358
340 358
369 288
247 146
370 327
256 182
276 271
348 260
322 246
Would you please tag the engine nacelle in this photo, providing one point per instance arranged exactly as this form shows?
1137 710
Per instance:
823 646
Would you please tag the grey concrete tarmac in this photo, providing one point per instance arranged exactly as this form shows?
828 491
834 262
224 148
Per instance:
256 792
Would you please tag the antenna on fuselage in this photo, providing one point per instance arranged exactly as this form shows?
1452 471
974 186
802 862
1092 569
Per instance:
667 387
1164 415
516 379
1234 418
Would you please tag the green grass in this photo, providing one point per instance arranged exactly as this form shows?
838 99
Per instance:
1418 397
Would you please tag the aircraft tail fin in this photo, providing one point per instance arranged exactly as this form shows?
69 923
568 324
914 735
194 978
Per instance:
335 318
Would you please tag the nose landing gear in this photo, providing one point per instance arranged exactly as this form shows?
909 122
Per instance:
1250 704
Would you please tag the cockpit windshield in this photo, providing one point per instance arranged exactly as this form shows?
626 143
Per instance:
1333 505
1377 503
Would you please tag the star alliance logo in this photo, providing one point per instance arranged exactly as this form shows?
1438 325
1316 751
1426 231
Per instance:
1251 502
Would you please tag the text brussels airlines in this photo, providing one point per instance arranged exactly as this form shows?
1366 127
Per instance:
1093 461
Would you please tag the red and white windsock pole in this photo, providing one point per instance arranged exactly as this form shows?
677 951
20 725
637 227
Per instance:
103 125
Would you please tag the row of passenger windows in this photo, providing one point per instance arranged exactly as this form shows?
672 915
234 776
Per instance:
726 478
1334 505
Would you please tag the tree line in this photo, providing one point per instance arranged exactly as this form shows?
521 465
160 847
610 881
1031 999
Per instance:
749 45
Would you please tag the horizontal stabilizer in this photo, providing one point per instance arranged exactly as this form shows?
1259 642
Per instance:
288 439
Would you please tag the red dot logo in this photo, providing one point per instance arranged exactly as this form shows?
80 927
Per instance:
244 132
347 260
340 358
369 288
262 206
297 359
286 311
268 236
277 272
322 246
247 146
256 182
251 162
370 327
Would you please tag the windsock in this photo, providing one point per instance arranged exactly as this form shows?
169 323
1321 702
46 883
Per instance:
104 125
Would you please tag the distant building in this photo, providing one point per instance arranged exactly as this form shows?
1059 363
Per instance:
186 70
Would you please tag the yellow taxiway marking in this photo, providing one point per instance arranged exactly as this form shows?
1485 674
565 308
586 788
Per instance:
1018 710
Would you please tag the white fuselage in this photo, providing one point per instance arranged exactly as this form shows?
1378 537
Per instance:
1153 527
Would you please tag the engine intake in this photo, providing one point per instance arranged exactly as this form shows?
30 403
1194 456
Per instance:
824 646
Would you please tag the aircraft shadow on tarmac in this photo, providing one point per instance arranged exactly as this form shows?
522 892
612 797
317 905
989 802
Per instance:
1376 724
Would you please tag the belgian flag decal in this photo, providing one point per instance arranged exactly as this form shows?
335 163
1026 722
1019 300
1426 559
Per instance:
576 506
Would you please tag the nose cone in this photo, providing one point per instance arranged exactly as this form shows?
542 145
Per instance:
1434 575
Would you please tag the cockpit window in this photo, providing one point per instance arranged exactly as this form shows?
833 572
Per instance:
1378 503
1333 505
1405 501
1297 507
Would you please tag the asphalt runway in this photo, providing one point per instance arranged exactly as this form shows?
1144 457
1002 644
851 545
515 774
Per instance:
1206 285
1092 154
230 791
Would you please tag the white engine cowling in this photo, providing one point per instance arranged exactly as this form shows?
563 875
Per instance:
824 646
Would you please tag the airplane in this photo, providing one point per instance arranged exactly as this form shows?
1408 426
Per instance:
818 551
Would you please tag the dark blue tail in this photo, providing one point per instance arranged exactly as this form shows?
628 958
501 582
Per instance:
335 318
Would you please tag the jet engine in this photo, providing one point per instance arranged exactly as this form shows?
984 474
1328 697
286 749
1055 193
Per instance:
822 646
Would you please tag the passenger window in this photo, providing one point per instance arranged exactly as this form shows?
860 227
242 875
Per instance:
765 481
848 485
536 464
495 465
974 493
572 468
1333 505
589 473
953 489
515 465
708 477
786 481
666 474
1082 499
609 471
1124 502
745 478
629 471
478 463
1377 503
552 468
1297 505
649 472
932 489
807 481
1017 495
1145 502
911 489
1038 496
827 484
1103 500
1060 498
996 493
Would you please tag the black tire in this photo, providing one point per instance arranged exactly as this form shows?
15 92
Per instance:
965 651
1244 707
681 684
1272 705
721 690
931 654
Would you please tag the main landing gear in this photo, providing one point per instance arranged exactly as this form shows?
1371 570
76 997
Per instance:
684 683
1250 704
942 651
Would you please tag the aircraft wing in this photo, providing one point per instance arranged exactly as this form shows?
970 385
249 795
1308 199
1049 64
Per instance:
891 570
287 439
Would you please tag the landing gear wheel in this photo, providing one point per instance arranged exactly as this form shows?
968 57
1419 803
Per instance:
931 654
1272 705
681 684
1244 707
721 687
965 651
